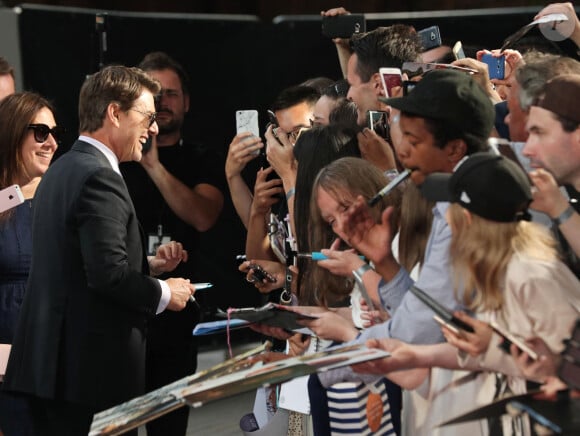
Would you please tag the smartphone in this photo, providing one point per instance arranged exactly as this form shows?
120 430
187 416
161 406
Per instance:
495 65
247 121
390 78
259 273
430 37
442 312
343 26
10 197
278 235
457 50
509 339
450 326
378 121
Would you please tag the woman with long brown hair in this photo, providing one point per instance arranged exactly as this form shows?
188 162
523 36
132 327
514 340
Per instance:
28 140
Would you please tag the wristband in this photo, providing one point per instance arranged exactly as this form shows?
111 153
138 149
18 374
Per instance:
290 193
363 269
564 216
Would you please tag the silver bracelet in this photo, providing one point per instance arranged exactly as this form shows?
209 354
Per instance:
363 269
564 216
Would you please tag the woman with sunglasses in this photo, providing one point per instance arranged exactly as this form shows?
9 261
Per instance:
28 140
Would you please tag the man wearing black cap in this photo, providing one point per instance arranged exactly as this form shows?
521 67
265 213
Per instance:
553 147
445 118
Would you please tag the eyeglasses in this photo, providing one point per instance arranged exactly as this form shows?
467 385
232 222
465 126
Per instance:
293 134
152 115
41 132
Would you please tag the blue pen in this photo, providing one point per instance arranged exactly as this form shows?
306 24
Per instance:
317 255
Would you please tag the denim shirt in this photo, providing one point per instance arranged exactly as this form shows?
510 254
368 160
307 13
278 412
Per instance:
411 320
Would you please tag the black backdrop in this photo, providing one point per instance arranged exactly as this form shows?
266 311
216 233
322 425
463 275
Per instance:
234 63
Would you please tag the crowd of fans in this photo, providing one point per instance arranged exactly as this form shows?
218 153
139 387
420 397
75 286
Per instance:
484 220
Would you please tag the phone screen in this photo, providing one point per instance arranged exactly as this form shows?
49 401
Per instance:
390 78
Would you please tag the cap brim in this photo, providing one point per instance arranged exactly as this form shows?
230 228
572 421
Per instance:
410 104
436 187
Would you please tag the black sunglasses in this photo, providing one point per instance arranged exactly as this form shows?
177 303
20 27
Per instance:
152 115
41 132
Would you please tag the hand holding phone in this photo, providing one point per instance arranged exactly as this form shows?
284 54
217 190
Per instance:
509 339
495 65
343 26
390 78
378 121
430 37
259 274
457 50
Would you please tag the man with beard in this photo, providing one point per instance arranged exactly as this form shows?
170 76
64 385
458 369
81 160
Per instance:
177 194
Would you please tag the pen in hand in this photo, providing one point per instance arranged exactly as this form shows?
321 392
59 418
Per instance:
317 255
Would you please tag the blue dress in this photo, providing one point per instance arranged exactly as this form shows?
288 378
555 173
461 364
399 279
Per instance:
15 257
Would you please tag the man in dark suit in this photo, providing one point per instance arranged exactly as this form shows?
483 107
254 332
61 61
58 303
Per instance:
80 342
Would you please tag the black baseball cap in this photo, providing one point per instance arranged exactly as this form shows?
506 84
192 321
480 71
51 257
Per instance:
451 97
489 185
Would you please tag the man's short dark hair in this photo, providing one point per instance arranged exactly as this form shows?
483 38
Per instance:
384 47
6 68
443 133
295 95
158 60
568 125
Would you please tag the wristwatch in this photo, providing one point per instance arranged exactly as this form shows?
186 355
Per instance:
564 216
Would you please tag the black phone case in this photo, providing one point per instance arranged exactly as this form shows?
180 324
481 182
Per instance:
343 26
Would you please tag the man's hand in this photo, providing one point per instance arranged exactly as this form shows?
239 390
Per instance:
181 290
167 257
481 76
376 150
280 153
266 192
150 159
242 150
546 193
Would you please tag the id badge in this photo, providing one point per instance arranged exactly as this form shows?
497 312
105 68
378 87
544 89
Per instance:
154 240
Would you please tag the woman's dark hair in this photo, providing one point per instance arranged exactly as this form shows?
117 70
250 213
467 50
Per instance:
314 149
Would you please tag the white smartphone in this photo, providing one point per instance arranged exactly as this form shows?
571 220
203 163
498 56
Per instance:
458 52
10 197
247 121
390 78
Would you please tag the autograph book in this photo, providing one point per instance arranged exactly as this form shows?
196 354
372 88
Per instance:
241 374
272 314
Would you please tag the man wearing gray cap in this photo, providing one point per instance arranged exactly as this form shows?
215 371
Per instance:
553 147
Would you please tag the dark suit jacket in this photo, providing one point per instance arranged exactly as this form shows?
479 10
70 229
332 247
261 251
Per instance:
81 333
